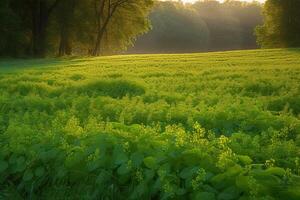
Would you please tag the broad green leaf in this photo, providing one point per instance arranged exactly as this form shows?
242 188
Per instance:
205 196
180 191
242 182
20 164
123 169
62 172
39 172
150 162
137 159
3 166
121 158
188 172
141 189
93 165
245 160
209 188
28 175
103 177
13 159
229 193
275 171
149 174
21 160
119 155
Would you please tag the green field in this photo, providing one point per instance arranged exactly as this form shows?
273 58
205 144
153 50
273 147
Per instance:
221 126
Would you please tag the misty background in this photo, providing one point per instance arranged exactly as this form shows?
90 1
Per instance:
202 26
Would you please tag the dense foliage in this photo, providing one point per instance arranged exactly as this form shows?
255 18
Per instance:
194 126
281 26
62 27
202 26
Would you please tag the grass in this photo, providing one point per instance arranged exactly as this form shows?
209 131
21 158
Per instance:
222 125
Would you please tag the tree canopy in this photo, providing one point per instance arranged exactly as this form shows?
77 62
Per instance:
43 27
281 26
39 28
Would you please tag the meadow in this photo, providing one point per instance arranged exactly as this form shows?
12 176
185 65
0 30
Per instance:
222 125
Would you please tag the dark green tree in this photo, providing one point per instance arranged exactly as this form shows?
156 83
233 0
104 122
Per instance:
41 27
281 26
39 14
12 36
66 23
116 17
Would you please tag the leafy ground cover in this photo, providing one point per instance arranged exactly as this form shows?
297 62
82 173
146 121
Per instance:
220 126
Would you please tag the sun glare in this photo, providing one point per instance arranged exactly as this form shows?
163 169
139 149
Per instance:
192 1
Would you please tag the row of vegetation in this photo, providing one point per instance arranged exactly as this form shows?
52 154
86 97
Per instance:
211 126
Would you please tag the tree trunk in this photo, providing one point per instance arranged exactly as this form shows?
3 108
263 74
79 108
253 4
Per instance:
40 18
96 50
102 27
40 23
65 46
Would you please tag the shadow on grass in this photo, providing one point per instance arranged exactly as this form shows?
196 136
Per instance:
296 50
14 65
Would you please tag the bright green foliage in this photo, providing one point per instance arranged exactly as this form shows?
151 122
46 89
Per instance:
190 126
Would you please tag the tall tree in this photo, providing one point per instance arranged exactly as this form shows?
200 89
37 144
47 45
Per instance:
10 30
83 25
65 19
281 26
40 13
108 10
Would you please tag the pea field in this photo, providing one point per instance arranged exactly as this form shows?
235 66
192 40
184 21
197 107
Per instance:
206 126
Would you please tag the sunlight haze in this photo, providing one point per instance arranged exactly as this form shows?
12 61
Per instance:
192 1
150 99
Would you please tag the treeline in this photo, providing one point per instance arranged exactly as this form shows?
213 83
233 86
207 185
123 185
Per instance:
202 26
62 27
39 28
